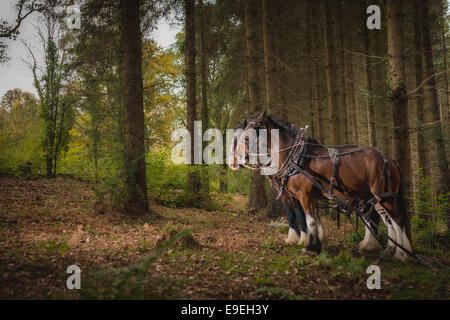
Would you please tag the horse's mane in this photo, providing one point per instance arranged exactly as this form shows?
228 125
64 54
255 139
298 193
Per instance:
289 127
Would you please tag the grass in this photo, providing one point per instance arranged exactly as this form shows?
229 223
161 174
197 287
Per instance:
227 254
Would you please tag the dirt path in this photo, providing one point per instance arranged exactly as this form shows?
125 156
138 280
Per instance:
48 225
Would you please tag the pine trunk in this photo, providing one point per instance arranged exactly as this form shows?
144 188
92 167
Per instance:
204 86
320 134
331 72
274 207
418 73
258 199
136 183
369 94
193 191
397 92
351 79
432 112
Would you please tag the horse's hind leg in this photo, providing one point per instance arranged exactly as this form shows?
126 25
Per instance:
370 242
399 230
321 233
312 241
390 249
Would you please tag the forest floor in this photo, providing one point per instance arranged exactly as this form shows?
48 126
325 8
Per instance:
47 225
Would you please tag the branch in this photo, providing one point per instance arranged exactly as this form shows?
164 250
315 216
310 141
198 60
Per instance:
8 31
425 81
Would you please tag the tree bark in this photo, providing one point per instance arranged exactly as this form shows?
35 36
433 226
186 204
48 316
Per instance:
342 54
351 79
369 94
432 112
193 191
418 74
320 134
136 182
204 86
398 97
271 70
274 207
258 198
331 72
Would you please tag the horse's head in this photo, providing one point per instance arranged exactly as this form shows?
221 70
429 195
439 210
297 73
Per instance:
233 159
262 140
254 139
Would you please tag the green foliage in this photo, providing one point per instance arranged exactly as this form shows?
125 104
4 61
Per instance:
57 109
53 246
348 266
430 221
20 130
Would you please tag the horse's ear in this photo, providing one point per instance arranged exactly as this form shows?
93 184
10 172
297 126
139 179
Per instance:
261 116
245 123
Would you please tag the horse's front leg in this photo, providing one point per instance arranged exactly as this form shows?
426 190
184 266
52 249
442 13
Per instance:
300 214
294 231
312 241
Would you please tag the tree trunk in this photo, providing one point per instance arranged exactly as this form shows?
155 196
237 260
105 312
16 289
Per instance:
193 191
309 57
271 71
136 182
204 85
351 79
320 134
257 199
342 54
446 113
274 207
432 114
418 73
331 72
369 94
398 97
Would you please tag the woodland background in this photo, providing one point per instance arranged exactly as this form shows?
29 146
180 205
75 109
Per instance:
109 98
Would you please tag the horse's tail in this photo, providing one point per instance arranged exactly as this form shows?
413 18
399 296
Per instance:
404 216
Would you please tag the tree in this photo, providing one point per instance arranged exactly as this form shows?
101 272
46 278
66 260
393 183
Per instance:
331 72
274 207
193 181
134 130
24 9
418 74
320 134
258 198
56 102
369 93
432 113
354 108
204 90
397 92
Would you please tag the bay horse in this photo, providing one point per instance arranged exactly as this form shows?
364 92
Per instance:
360 172
294 210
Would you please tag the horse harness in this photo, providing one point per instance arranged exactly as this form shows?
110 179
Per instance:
295 164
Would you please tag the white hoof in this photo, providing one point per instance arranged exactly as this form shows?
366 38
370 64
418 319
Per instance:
322 237
401 255
369 243
292 237
303 239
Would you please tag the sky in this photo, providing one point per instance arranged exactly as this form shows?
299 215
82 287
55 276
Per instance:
16 74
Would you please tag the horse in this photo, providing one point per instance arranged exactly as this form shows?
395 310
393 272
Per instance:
294 210
358 173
